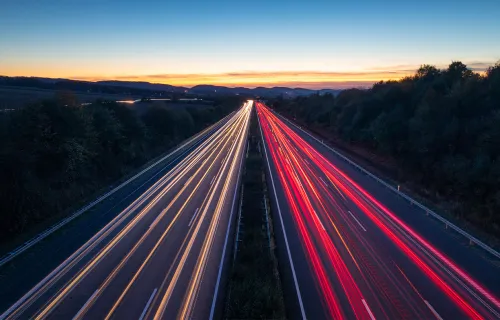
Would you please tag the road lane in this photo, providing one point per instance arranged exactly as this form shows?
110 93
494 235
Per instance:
353 257
177 153
156 245
36 262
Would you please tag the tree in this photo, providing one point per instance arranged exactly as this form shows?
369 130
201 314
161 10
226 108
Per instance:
56 153
441 126
427 72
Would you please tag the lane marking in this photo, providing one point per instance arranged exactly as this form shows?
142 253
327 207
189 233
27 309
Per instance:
152 224
368 309
356 220
238 223
84 308
321 223
147 304
211 182
194 216
324 182
299 297
433 310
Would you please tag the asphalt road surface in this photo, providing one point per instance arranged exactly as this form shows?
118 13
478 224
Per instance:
351 248
164 255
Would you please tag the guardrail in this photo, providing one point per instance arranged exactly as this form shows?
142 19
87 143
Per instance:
448 224
22 248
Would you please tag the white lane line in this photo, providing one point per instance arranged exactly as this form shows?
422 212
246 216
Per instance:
194 216
368 309
321 223
356 220
152 224
324 182
143 314
82 310
239 223
432 310
211 182
299 297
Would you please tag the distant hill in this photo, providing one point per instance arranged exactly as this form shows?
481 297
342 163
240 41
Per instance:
143 85
142 88
215 90
118 87
259 91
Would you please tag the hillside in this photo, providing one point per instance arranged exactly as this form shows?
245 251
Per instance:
141 88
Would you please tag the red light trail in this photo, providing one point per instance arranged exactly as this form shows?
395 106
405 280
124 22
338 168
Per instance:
355 275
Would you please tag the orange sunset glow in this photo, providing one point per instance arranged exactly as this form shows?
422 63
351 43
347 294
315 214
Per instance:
308 79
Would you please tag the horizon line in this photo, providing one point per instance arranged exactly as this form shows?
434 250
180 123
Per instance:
301 79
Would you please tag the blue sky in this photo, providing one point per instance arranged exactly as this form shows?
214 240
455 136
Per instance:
92 39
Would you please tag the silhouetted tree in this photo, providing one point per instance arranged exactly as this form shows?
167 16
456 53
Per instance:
55 153
443 126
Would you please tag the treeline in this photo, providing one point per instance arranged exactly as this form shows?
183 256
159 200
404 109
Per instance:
441 126
78 86
55 153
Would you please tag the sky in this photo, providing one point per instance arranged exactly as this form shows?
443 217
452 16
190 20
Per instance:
312 44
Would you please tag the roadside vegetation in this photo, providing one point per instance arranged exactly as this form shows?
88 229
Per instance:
254 289
441 129
56 153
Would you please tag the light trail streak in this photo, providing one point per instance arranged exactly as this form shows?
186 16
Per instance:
300 168
188 176
165 233
193 236
229 167
91 265
195 283
69 263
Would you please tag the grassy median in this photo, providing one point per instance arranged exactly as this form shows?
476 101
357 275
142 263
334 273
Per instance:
254 287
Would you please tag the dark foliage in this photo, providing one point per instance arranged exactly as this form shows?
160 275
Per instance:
82 86
442 126
56 153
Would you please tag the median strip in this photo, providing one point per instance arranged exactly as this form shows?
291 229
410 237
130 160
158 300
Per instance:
254 288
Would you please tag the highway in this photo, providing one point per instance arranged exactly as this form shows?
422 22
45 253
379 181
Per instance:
349 248
162 257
